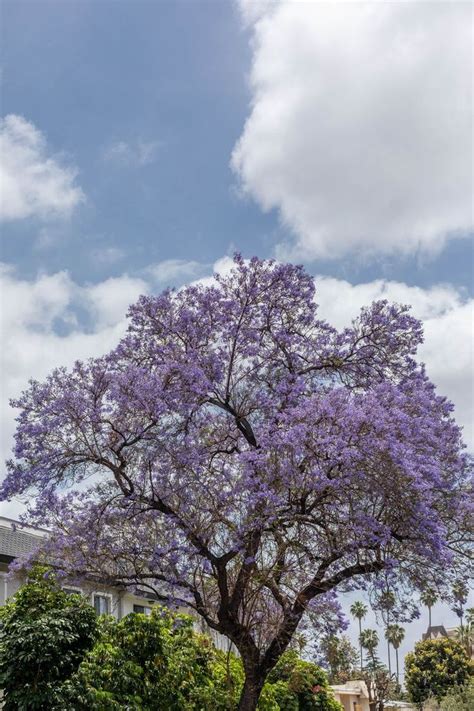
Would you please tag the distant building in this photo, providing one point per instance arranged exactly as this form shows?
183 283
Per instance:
440 631
17 539
352 695
435 632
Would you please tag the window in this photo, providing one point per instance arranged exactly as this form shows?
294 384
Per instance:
102 604
72 591
142 609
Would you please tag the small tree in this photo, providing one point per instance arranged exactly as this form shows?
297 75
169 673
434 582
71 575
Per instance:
379 684
44 635
434 668
142 662
239 455
359 611
369 640
340 657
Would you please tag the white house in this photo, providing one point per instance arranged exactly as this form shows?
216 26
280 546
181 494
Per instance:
17 539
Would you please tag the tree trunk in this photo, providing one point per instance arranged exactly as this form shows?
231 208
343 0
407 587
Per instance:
398 675
389 659
361 653
253 685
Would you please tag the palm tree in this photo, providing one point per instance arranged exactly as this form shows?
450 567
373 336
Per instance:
386 604
460 592
429 597
465 635
395 635
359 611
369 640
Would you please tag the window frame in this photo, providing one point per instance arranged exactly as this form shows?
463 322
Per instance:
107 596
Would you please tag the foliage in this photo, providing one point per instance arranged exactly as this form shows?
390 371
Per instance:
300 685
459 698
380 683
248 458
460 591
44 635
340 657
358 610
156 662
465 633
429 597
144 662
369 640
435 667
395 634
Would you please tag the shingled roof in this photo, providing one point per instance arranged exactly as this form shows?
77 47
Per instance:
15 542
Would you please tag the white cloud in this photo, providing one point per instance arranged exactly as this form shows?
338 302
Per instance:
108 301
33 183
360 126
170 271
136 153
40 329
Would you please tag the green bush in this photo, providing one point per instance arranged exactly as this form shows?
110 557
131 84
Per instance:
141 662
158 662
434 668
55 654
44 635
301 685
459 698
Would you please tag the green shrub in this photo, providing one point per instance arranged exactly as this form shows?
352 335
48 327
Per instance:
44 635
141 662
434 668
55 654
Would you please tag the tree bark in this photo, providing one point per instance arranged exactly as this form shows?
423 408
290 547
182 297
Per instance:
253 685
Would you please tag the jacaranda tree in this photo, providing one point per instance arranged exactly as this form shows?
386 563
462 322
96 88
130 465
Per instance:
237 454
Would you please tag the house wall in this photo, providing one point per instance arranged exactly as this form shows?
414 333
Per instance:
121 601
352 702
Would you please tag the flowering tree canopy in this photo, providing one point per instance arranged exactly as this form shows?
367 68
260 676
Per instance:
239 455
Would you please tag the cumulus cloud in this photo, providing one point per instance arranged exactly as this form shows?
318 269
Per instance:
136 153
170 271
52 321
33 182
360 127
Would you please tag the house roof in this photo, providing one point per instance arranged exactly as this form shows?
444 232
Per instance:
434 632
15 542
351 687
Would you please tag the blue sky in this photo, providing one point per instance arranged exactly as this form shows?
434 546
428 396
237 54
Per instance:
172 76
146 141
